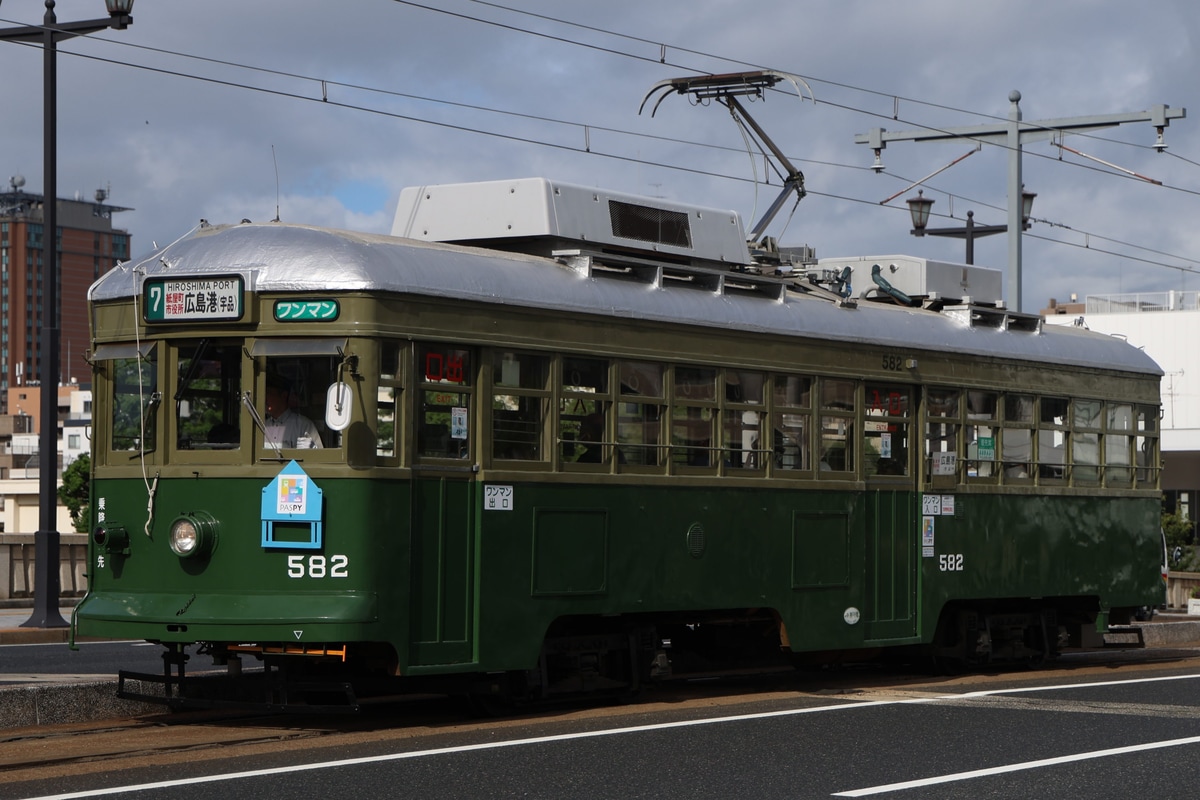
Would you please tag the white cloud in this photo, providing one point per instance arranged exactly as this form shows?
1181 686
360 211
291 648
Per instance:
177 149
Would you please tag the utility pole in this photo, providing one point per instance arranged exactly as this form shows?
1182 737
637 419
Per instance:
1013 134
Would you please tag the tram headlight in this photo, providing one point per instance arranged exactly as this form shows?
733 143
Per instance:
193 534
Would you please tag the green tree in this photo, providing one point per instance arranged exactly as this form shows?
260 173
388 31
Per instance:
1180 532
75 492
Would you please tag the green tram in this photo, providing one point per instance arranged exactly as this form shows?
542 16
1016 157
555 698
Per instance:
583 440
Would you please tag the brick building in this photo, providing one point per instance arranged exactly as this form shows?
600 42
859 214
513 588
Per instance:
88 247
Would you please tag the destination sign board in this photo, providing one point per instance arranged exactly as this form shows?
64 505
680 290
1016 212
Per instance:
207 299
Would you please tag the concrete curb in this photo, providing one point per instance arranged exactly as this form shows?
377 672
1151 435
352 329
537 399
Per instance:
1170 632
67 703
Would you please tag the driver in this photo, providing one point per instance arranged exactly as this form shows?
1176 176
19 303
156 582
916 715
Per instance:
285 427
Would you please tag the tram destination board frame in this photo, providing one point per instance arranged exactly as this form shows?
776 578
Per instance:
210 298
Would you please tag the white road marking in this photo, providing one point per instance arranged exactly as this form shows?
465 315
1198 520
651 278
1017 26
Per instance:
1044 762
441 751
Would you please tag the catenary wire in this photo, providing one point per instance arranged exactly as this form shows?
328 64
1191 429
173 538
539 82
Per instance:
528 140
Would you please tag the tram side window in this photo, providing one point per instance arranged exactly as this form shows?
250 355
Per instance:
837 428
639 414
443 426
583 412
519 405
1085 442
1118 445
1017 436
208 396
743 420
693 417
1052 438
981 434
135 398
791 422
885 429
1147 446
943 420
387 394
294 403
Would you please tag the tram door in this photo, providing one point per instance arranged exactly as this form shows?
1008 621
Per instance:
442 526
892 530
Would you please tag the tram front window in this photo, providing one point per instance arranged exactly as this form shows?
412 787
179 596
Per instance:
293 402
135 396
208 396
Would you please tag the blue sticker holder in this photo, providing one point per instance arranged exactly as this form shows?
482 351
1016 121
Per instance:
292 497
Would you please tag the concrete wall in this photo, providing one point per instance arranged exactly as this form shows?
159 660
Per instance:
17 565
1179 588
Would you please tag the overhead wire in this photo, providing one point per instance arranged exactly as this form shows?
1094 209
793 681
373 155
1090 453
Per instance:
895 117
588 150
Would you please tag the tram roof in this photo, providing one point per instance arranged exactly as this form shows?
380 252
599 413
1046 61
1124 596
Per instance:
283 257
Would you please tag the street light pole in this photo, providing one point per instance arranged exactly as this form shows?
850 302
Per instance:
46 540
1015 226
1013 133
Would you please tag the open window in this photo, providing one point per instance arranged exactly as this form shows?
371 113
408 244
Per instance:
297 377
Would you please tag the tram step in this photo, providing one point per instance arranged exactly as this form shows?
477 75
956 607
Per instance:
1127 636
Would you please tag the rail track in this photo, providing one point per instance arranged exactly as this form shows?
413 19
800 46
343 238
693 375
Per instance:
180 744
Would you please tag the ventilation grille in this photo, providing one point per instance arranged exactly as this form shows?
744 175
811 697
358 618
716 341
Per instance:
646 224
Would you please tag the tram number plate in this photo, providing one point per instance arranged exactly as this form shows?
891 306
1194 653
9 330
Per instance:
950 562
497 498
318 566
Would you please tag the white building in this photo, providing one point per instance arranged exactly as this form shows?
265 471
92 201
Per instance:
1167 326
77 428
20 483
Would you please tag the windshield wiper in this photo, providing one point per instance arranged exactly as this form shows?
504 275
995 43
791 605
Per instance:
193 368
152 403
248 402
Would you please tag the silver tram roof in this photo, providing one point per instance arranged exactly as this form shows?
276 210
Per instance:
281 257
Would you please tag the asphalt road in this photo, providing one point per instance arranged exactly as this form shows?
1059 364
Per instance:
1100 729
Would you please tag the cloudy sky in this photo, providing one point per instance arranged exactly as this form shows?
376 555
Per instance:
196 109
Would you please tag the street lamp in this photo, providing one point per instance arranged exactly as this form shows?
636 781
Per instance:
50 33
920 206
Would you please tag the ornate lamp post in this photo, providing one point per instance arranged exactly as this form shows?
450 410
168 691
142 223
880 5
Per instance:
50 33
920 206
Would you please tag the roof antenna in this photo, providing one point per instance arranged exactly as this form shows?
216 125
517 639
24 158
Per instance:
276 163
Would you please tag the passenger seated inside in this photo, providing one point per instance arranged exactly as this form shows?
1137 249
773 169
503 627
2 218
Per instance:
591 436
284 426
